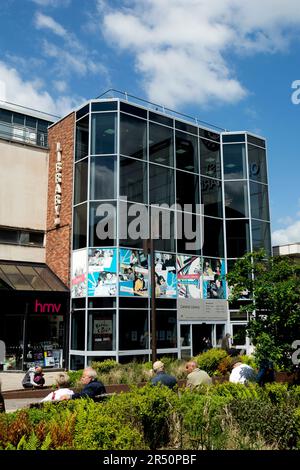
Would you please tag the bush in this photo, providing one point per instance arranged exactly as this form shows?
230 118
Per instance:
104 367
210 360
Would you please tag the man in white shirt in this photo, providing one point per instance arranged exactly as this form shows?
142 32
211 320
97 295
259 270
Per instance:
242 374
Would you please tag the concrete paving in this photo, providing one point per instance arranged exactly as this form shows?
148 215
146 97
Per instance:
13 380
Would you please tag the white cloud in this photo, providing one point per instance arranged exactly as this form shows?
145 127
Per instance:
287 220
290 234
31 93
45 21
60 85
52 3
181 46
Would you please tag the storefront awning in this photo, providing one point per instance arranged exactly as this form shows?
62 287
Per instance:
29 276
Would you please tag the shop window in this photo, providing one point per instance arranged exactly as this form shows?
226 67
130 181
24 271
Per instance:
76 362
78 330
101 330
133 328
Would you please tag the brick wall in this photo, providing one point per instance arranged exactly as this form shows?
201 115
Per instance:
58 240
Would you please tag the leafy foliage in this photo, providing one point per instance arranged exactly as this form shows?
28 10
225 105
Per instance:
210 360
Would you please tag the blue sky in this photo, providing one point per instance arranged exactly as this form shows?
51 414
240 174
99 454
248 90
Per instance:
228 62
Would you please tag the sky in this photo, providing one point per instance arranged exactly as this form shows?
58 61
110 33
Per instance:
232 63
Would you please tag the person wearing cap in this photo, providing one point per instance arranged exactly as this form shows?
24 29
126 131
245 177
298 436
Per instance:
196 376
161 377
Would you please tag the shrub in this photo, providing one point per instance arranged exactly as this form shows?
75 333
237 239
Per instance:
210 360
104 367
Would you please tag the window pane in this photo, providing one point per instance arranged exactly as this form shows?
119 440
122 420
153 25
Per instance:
187 190
234 157
213 243
78 330
30 122
133 136
133 180
161 181
166 329
133 325
18 119
5 116
104 133
76 362
259 201
79 226
15 277
165 233
189 236
211 197
238 240
50 279
234 138
101 330
82 138
105 106
161 147
129 213
261 237
80 184
186 152
236 199
102 226
9 236
33 278
239 335
103 183
210 158
257 164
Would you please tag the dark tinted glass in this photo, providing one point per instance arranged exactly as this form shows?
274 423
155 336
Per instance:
79 226
259 201
129 216
78 303
19 119
76 362
211 197
83 111
233 138
236 199
165 229
166 329
213 243
30 122
77 329
234 158
186 152
257 164
183 126
104 133
102 302
261 236
187 190
103 184
238 239
210 159
133 327
5 116
128 108
43 125
105 106
133 180
102 224
81 180
209 135
256 141
82 138
160 119
101 330
133 136
161 148
161 181
189 234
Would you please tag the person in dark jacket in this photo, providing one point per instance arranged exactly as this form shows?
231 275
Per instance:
266 373
161 377
2 404
92 386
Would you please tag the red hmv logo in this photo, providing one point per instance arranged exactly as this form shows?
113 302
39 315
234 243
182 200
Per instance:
46 308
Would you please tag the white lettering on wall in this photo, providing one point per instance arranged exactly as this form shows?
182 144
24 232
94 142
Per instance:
58 180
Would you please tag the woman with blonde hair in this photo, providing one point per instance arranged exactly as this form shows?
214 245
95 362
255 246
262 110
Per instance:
62 383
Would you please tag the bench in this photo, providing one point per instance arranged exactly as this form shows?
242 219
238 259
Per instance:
97 399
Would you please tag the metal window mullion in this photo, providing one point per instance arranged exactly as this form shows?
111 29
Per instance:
224 227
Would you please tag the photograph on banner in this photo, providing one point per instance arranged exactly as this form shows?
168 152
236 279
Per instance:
78 278
189 277
102 276
214 286
133 277
165 275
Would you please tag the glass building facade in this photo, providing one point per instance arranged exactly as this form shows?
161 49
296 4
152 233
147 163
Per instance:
129 159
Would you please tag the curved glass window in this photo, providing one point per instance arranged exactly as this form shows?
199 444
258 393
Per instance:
104 136
161 147
234 159
133 136
103 183
257 164
186 152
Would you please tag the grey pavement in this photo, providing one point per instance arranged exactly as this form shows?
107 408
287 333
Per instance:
13 380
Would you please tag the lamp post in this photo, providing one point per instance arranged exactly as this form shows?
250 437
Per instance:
149 250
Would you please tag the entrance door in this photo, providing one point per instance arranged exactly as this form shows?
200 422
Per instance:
200 333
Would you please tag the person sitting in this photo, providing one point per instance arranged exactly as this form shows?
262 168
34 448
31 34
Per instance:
161 377
62 383
2 404
196 376
92 386
34 378
266 373
242 374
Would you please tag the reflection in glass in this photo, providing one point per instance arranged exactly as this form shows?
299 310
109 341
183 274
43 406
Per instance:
76 362
185 335
261 236
133 180
186 152
161 181
79 226
189 233
211 196
133 136
82 138
161 148
187 190
210 158
101 330
134 327
103 184
77 329
259 201
139 230
257 164
166 329
103 222
80 184
238 238
213 237
164 229
104 133
234 159
236 199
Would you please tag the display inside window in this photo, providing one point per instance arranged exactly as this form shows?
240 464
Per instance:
78 276
165 275
189 277
102 276
101 330
133 278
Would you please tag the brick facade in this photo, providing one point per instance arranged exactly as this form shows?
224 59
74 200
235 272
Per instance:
58 239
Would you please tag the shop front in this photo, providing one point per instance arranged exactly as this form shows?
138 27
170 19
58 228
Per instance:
34 324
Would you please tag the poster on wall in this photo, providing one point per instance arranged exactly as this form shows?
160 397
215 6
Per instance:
214 286
133 277
102 276
188 277
165 276
78 278
102 333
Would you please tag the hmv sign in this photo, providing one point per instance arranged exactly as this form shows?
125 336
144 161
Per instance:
41 307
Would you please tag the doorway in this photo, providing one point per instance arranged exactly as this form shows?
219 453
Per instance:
201 338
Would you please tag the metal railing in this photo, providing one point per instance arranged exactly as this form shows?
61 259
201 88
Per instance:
23 134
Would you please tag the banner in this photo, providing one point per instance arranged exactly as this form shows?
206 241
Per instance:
102 277
165 276
133 277
214 286
78 276
188 277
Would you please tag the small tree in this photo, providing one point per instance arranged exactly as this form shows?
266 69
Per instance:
274 305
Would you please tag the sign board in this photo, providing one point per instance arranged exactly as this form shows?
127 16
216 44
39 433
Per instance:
202 310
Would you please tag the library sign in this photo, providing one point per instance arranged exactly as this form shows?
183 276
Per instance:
58 180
